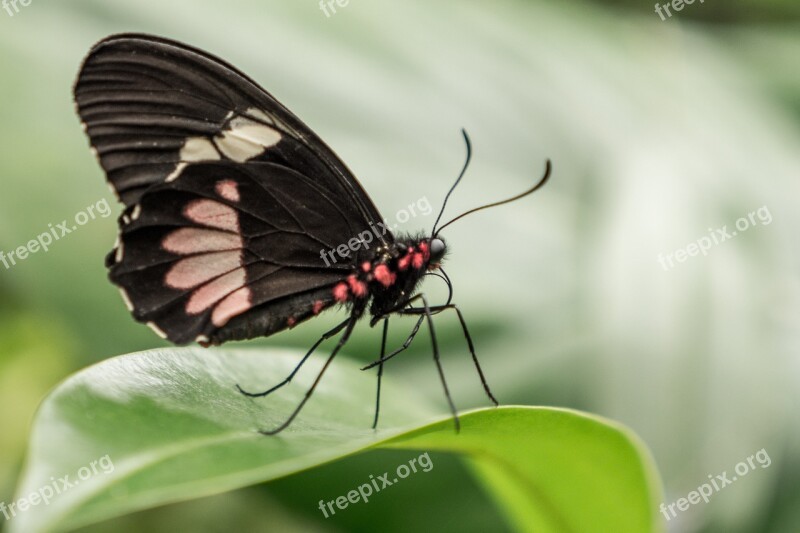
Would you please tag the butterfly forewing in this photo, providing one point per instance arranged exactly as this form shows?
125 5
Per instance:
151 106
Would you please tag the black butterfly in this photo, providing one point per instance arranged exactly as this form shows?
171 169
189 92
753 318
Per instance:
230 204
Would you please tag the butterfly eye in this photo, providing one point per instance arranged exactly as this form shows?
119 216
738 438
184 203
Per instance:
437 250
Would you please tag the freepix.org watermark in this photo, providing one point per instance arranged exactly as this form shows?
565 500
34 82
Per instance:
55 232
12 6
375 231
47 493
716 484
715 237
329 6
364 491
677 5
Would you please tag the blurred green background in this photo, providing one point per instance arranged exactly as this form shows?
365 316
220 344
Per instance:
660 131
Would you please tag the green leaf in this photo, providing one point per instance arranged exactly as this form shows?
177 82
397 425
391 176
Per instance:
167 425
553 469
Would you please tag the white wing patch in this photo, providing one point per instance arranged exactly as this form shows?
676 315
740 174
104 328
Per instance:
177 172
158 330
260 115
243 139
126 299
246 139
198 149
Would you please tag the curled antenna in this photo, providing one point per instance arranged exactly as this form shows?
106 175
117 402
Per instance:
541 182
461 175
446 279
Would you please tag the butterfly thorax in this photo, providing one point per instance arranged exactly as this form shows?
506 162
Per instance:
390 275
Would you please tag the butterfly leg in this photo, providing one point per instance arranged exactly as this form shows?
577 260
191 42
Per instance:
467 336
401 309
380 372
438 362
350 323
405 345
325 336
425 312
396 309
472 351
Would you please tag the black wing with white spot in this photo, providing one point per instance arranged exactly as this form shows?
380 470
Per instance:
152 106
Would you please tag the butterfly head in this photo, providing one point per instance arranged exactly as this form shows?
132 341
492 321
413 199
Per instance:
436 250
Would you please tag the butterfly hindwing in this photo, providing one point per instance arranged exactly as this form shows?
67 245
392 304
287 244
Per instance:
229 240
152 106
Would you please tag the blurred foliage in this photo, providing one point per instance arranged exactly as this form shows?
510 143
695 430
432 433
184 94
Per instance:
30 364
658 131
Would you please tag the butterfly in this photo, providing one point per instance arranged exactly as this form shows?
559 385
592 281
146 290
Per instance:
230 204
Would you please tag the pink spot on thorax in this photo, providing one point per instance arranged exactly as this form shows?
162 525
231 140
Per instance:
358 287
213 214
291 321
319 305
341 292
366 266
425 249
384 276
418 260
228 189
404 261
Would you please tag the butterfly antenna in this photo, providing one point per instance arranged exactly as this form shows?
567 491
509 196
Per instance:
541 182
443 275
461 175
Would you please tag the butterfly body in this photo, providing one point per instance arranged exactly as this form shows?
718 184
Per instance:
381 284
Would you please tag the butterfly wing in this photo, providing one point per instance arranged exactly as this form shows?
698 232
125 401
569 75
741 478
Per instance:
230 199
230 251
151 106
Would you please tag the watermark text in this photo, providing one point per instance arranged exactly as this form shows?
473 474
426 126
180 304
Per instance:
422 463
54 232
45 494
716 483
12 6
677 5
715 237
375 231
329 6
